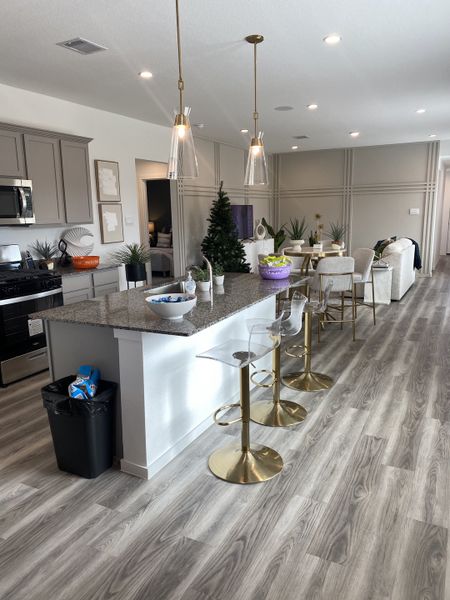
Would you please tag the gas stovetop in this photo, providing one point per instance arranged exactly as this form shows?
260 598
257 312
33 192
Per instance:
22 282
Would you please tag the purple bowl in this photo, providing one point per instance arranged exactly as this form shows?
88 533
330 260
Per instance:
268 272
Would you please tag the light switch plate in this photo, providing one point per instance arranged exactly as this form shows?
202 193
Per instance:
129 220
414 211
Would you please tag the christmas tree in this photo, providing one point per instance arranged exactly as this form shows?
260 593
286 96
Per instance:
221 245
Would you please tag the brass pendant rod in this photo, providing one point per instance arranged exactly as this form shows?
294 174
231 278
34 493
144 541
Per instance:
180 72
255 113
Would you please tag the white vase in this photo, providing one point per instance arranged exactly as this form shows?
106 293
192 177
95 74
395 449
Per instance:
297 244
260 230
218 279
203 286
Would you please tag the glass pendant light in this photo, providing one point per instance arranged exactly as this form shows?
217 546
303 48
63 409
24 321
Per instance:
182 158
256 171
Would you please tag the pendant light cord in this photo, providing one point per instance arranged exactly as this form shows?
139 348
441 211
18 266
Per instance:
255 113
180 73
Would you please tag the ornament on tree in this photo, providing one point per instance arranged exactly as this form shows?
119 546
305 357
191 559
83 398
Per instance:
221 244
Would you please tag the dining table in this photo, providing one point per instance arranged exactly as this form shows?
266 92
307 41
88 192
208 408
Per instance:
312 255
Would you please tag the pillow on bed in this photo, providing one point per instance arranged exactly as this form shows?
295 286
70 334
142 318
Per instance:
164 240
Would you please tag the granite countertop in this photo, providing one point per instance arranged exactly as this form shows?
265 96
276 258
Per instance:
69 270
128 310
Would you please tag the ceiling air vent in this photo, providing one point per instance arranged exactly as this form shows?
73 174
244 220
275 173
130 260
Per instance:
81 46
300 137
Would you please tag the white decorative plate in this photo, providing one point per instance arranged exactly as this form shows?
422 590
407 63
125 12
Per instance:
73 238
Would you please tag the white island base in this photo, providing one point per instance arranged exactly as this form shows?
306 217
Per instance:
167 395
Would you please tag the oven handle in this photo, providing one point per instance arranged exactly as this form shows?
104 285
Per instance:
24 202
30 297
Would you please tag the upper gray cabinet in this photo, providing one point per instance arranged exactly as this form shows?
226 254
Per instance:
77 184
44 169
12 163
58 166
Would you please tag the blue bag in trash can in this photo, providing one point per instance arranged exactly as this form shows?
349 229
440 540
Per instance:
85 385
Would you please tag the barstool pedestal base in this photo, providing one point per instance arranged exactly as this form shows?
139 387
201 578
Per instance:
308 381
257 464
277 414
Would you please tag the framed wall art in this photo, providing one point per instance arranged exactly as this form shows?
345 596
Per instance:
111 226
107 179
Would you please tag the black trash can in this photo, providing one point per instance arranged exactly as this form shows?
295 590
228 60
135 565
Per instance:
82 430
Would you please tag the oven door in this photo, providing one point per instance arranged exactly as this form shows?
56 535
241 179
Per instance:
22 339
16 206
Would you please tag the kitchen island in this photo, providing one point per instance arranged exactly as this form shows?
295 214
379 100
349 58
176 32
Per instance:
167 395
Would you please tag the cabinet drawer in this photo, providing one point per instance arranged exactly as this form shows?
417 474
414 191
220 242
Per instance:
72 283
105 276
108 288
78 296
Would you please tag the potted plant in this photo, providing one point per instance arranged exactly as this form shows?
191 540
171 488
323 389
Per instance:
134 257
278 237
201 276
218 274
297 231
336 234
46 252
275 267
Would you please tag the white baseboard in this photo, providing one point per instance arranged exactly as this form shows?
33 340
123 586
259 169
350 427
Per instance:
149 471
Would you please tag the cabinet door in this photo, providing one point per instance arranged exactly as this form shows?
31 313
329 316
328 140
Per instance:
44 169
12 163
77 182
108 288
78 296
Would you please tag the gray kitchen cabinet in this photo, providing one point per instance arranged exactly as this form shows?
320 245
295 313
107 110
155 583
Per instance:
77 184
12 162
44 169
84 286
103 290
77 296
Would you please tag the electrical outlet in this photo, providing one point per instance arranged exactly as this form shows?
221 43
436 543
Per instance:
129 220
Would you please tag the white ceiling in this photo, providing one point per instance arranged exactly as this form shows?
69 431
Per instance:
393 59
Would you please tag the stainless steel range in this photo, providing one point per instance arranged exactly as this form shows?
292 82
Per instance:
23 349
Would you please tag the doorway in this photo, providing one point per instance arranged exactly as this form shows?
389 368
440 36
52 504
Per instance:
158 217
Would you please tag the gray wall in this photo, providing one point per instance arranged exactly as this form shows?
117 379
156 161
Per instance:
217 162
370 189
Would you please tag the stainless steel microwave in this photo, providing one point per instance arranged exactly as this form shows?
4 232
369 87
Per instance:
16 202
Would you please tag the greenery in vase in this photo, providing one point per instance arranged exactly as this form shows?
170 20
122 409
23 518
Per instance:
275 261
217 270
200 274
298 229
221 243
278 237
45 250
131 254
336 232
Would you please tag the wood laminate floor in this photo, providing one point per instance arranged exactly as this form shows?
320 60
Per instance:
361 510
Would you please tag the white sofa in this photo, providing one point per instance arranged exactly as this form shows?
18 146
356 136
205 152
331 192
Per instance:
400 255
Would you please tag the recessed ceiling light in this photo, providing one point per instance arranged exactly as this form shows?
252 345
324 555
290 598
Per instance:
199 125
244 130
294 147
420 111
354 134
283 108
432 135
332 39
312 106
146 74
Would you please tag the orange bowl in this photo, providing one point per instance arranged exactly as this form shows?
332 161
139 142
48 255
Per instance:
85 262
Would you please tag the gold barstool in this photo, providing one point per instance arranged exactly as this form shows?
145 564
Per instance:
277 412
243 462
307 380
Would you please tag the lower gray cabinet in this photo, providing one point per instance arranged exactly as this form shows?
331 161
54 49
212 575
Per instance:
84 286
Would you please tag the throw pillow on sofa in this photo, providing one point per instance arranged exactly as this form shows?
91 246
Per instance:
381 245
